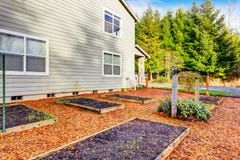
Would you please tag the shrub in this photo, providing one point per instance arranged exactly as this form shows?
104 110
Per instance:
141 87
191 108
165 106
186 108
162 80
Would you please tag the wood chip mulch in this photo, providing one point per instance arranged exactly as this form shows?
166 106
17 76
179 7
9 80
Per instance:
219 138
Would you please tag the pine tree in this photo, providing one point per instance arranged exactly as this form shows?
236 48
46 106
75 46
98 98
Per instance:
226 54
147 36
172 57
196 40
229 59
178 31
201 36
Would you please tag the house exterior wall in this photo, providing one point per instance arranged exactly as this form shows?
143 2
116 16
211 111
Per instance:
75 30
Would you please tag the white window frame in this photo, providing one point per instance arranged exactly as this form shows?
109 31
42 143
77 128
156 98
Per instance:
114 14
24 72
112 75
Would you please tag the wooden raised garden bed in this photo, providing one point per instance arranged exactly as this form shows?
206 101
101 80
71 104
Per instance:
91 104
127 98
211 102
134 139
20 117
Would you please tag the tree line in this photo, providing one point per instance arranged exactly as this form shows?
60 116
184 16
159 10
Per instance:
196 40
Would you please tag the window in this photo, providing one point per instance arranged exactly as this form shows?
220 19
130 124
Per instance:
24 54
14 45
112 24
112 64
36 55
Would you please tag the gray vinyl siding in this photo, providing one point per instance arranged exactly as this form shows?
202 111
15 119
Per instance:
74 29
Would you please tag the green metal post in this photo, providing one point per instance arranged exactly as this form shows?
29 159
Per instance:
3 96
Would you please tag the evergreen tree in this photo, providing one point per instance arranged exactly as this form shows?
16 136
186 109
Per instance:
167 42
227 53
172 57
178 30
200 48
166 32
196 40
233 56
147 36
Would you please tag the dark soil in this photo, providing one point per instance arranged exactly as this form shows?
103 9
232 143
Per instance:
20 115
93 103
129 97
210 99
137 139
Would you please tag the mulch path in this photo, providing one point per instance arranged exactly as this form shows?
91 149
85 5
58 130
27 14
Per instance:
219 138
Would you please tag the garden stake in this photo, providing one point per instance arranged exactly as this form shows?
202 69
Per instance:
3 94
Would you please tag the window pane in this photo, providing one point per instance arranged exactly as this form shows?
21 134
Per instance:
108 18
116 22
116 30
116 70
12 62
108 27
107 58
11 43
36 47
116 59
107 69
35 64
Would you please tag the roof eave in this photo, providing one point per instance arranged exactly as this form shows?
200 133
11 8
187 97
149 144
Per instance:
130 11
142 51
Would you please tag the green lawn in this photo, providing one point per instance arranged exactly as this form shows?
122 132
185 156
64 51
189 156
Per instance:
203 92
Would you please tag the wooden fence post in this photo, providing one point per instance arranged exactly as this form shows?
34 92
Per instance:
174 95
197 90
147 80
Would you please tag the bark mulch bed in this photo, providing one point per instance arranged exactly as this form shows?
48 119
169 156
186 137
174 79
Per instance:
219 138
20 115
91 104
128 98
136 139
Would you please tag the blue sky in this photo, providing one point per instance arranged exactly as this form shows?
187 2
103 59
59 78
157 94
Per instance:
139 6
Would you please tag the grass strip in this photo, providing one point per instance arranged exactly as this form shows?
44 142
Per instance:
202 92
